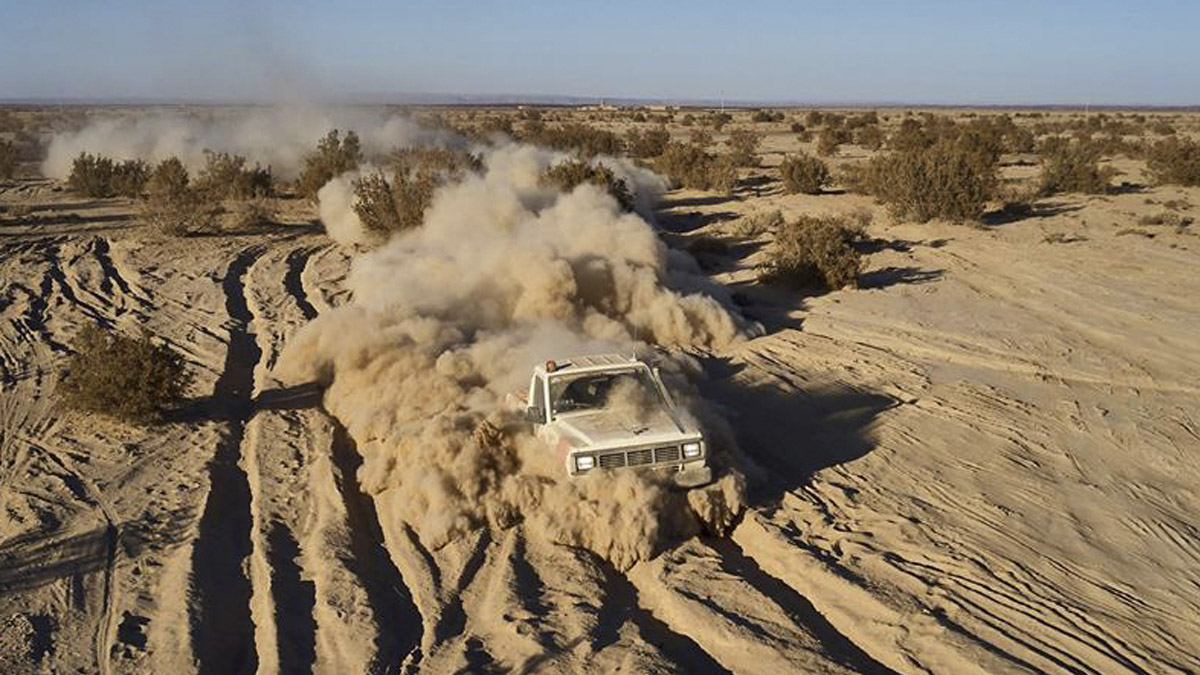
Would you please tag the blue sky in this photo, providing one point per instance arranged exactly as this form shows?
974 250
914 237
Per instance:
920 51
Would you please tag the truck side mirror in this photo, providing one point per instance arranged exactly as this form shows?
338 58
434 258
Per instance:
533 415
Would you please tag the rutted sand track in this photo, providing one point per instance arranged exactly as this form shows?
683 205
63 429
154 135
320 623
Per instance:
987 472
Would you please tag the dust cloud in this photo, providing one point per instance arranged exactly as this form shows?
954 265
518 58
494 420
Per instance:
449 318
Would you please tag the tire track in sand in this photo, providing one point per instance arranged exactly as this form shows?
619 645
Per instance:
222 630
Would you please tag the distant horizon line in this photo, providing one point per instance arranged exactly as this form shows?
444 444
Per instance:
483 100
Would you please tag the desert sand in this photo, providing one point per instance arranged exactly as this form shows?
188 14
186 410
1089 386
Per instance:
982 461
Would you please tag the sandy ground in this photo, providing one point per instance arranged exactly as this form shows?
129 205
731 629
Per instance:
981 462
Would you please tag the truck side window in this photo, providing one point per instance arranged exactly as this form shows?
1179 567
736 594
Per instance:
539 398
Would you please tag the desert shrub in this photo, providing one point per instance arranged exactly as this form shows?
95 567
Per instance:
91 175
386 206
129 178
797 127
1073 167
172 206
249 214
814 251
334 156
945 180
814 118
870 137
758 223
743 147
225 176
1162 128
646 144
9 157
1174 160
690 166
582 139
700 138
566 176
134 380
762 116
718 120
804 173
830 139
688 120
1020 139
1167 219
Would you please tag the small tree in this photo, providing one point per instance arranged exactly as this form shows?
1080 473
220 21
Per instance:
804 173
134 380
814 251
333 156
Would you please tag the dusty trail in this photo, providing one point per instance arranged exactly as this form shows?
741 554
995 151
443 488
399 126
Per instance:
222 629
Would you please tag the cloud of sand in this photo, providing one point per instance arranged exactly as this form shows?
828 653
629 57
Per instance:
448 318
274 136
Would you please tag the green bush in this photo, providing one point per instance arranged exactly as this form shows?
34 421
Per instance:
333 156
948 179
804 174
566 176
9 157
814 251
1073 167
91 175
1175 160
225 176
134 380
129 178
743 147
690 166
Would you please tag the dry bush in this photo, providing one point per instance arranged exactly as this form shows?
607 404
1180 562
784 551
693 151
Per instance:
830 139
814 118
566 176
814 251
225 176
248 215
743 147
129 178
718 120
762 116
1162 128
646 144
9 157
173 206
1074 167
804 174
1175 160
333 156
388 206
582 139
758 223
870 137
91 175
1167 219
701 138
948 179
690 166
134 380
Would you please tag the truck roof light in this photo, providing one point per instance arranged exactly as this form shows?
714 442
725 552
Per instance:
551 366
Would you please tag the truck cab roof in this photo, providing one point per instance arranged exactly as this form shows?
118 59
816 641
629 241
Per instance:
587 364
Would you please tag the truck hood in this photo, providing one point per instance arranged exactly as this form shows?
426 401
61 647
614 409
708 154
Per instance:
602 429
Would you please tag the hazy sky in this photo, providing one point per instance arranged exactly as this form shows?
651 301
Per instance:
935 51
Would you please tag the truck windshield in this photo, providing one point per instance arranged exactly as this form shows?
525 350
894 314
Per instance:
589 391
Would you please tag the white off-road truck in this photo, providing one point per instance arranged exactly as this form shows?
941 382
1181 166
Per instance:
571 405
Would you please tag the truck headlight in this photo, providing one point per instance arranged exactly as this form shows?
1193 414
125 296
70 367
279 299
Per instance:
691 449
584 462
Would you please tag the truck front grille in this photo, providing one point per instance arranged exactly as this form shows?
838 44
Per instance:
639 457
667 454
612 460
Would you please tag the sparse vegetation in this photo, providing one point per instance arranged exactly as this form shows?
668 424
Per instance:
566 176
134 380
804 174
646 144
1074 167
815 251
1175 160
173 206
225 176
9 157
100 177
386 206
830 139
690 166
949 179
758 223
334 156
582 139
743 147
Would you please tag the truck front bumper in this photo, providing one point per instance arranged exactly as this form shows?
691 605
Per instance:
693 475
